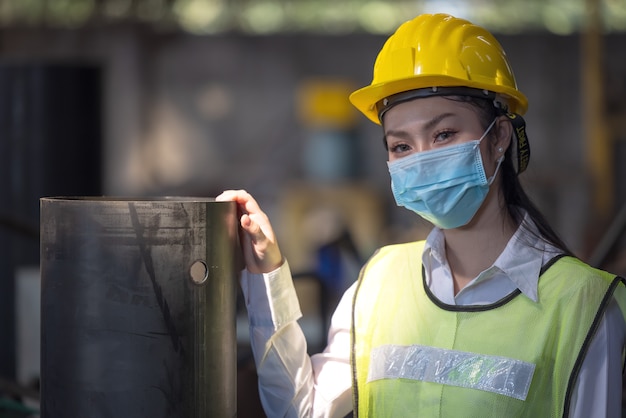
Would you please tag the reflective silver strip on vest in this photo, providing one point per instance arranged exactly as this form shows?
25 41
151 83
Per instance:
501 375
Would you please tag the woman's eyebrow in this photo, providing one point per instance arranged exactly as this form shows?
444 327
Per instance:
430 124
434 121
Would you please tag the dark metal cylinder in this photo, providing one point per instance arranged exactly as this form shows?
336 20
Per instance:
138 308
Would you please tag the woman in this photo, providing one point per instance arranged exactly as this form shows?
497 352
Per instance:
490 315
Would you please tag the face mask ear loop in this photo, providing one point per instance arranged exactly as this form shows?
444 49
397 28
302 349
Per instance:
492 178
487 131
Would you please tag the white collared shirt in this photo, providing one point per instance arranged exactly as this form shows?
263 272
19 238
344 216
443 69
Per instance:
292 384
517 267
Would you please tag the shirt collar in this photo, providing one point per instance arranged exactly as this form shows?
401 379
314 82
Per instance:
521 260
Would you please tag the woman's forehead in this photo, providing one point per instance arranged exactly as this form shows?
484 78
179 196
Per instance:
426 109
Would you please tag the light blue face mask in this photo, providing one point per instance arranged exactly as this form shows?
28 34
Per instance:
445 186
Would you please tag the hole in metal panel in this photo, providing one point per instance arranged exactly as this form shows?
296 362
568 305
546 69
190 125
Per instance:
199 272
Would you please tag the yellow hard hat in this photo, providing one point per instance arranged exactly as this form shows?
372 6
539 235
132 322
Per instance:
436 55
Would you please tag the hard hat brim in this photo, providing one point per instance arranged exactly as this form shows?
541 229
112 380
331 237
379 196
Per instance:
365 99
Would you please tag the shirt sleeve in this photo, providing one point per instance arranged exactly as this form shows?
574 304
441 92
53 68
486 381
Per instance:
292 384
598 390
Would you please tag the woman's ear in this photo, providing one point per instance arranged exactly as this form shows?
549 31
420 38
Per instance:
503 133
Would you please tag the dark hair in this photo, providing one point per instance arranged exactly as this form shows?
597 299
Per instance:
515 198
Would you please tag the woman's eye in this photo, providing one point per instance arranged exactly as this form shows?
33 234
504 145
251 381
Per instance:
399 148
444 135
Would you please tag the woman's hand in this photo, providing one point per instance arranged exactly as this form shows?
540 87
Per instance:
260 249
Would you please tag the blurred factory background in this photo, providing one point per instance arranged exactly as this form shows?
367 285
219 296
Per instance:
191 97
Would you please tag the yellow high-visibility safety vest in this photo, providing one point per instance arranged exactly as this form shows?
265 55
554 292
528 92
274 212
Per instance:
414 356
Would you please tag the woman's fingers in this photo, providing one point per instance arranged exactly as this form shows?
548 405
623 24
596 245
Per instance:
239 196
261 251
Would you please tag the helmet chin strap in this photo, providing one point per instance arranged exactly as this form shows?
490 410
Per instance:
523 147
